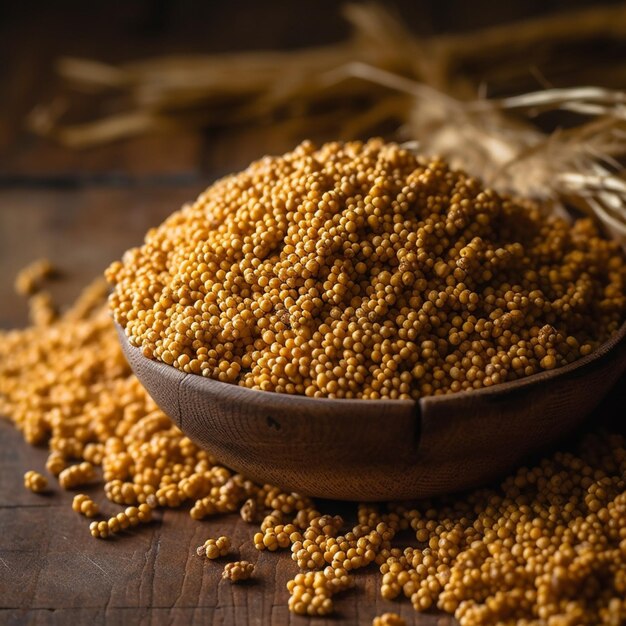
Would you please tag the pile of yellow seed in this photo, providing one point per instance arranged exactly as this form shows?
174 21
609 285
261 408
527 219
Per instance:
360 270
214 548
35 482
311 593
77 475
388 619
84 505
237 571
131 516
546 547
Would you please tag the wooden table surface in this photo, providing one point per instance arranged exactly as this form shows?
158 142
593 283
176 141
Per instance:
82 210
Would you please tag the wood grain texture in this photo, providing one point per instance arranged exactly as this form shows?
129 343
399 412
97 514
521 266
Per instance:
381 449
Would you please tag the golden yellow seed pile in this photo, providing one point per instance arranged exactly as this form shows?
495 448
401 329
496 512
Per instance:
84 505
214 548
35 482
77 475
311 593
545 548
388 619
237 571
360 270
56 462
131 516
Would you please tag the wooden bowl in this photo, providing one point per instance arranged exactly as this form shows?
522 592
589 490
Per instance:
380 449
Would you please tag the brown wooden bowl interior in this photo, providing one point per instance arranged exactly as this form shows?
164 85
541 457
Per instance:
381 449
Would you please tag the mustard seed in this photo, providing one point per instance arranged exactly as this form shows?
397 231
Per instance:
84 505
360 270
35 482
214 548
237 571
388 619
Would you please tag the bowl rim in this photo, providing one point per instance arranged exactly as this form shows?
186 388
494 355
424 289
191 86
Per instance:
617 340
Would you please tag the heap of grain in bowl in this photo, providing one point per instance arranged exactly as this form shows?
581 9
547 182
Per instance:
360 270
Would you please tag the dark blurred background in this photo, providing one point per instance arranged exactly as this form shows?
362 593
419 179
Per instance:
33 35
